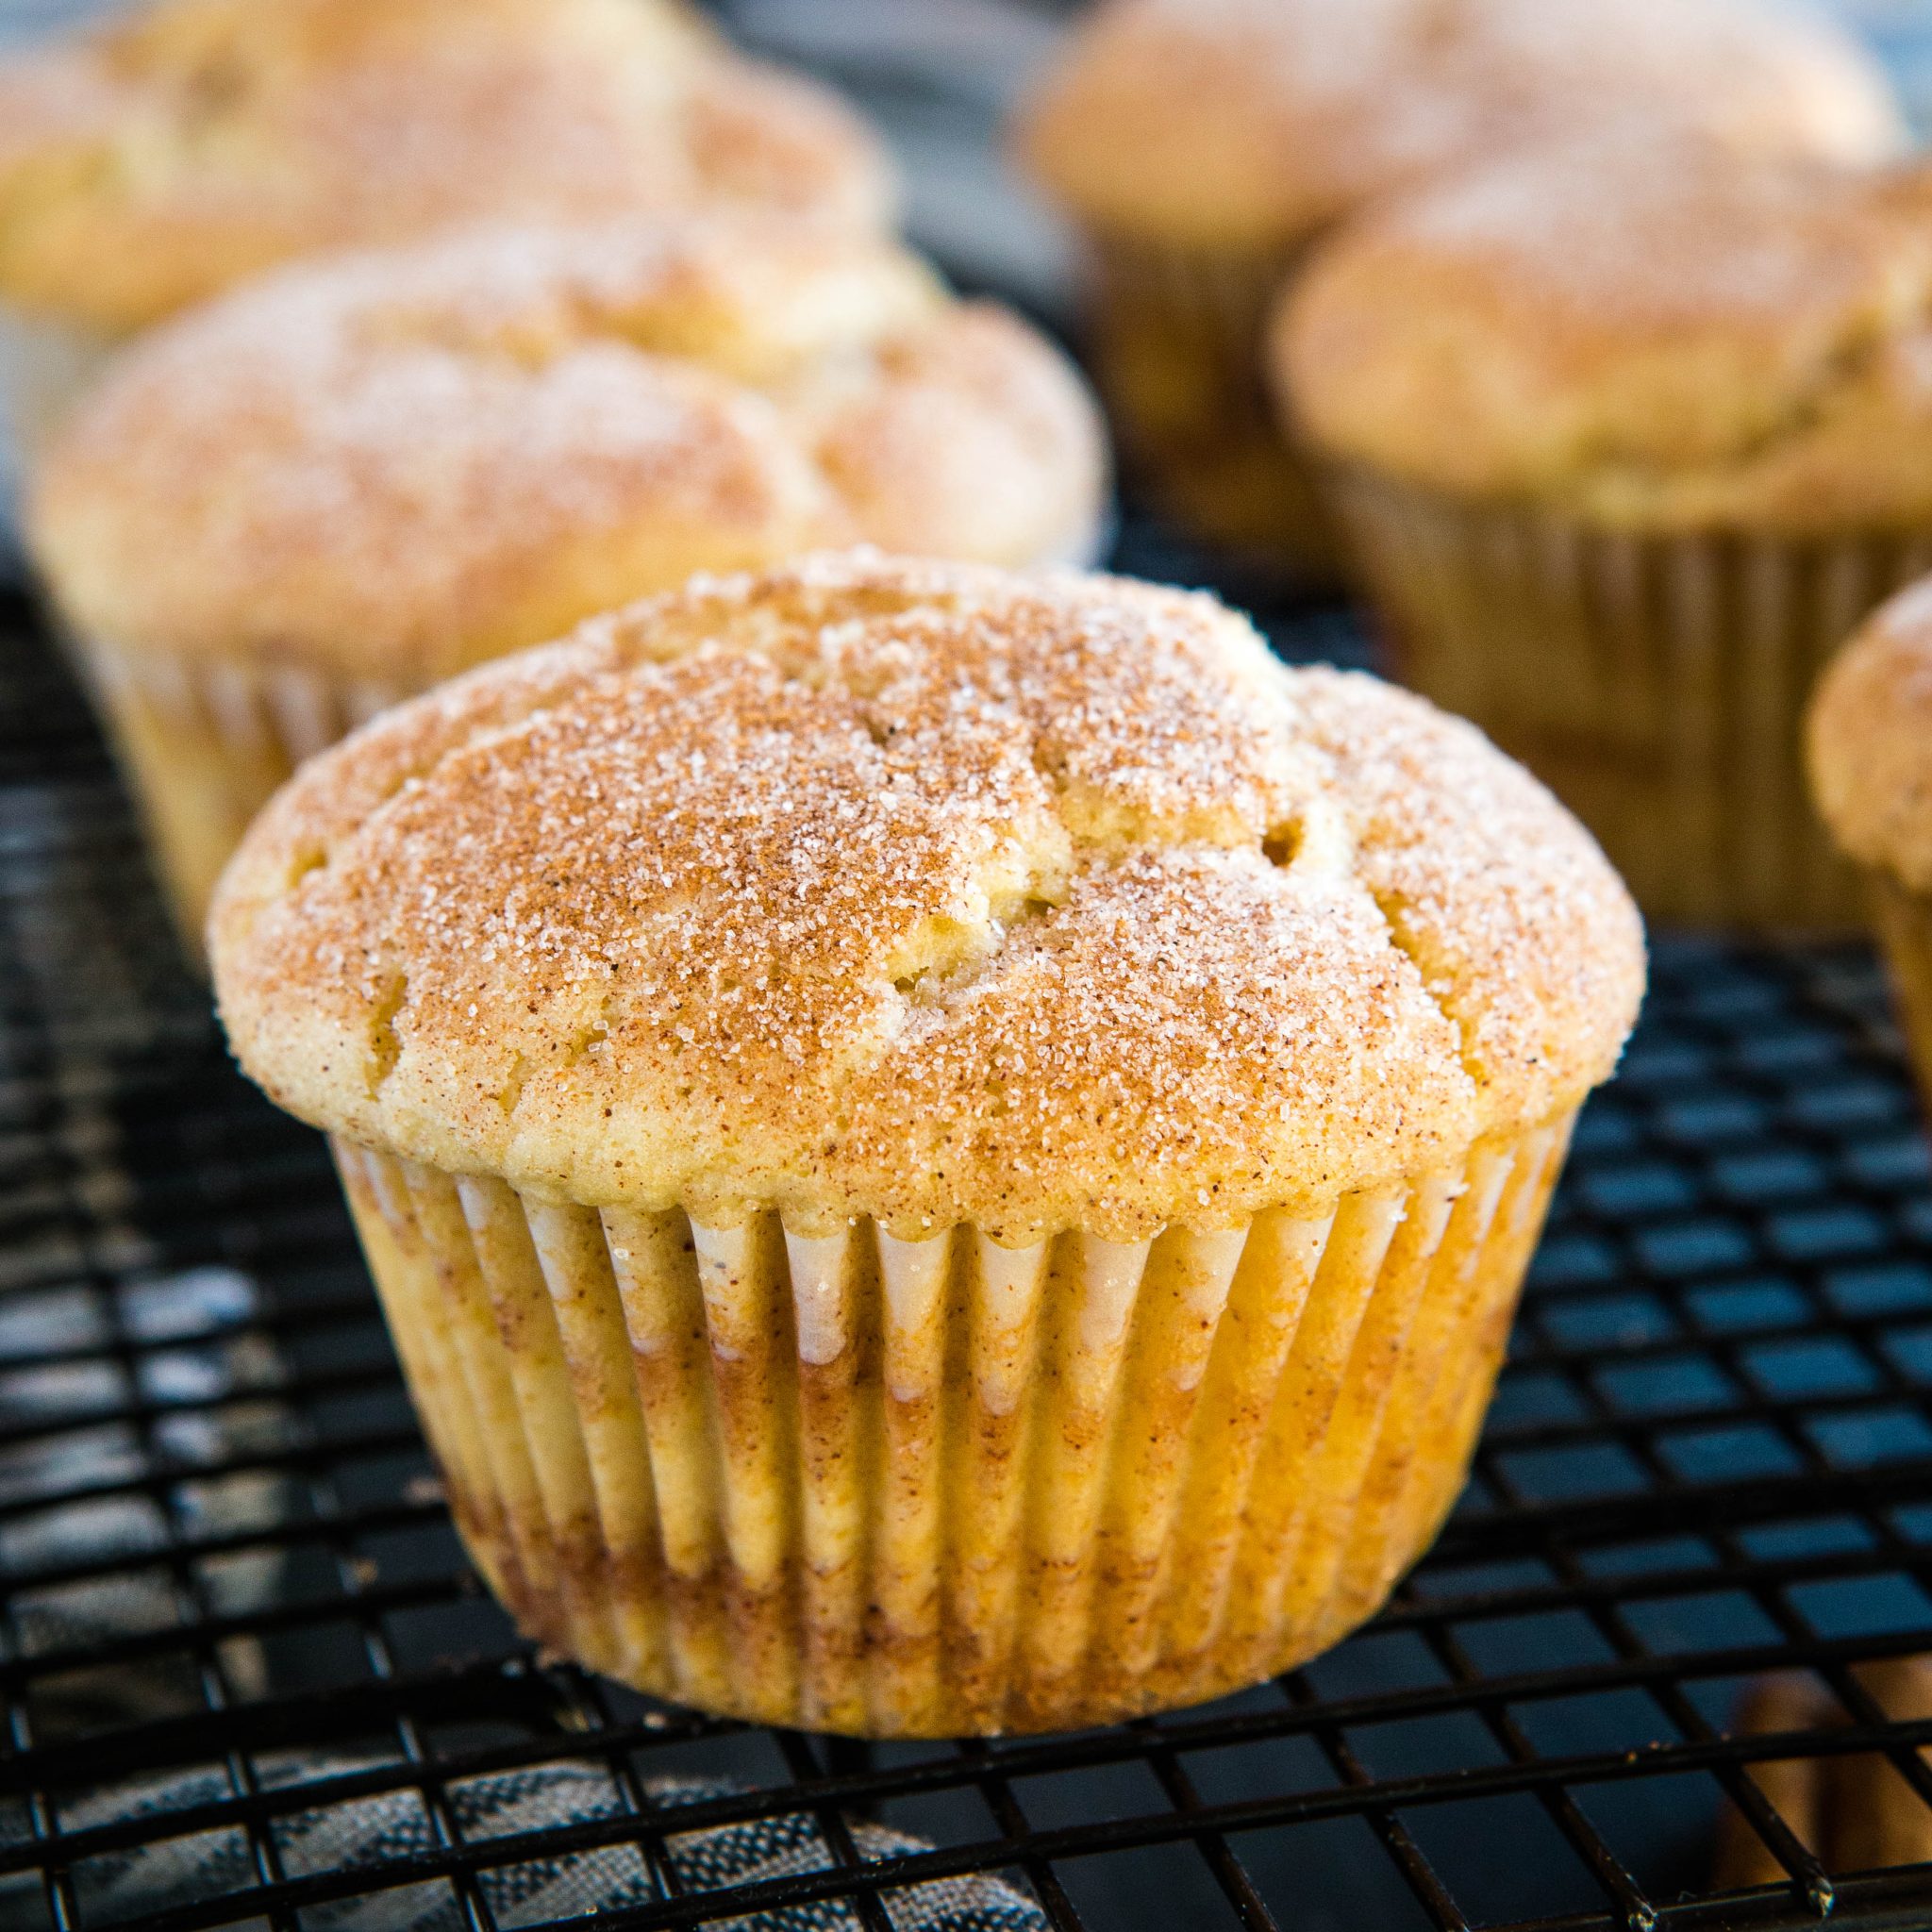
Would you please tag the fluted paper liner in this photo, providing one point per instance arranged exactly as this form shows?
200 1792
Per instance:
1179 339
206 743
1658 684
925 1489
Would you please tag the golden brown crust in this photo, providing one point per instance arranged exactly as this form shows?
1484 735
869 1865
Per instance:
928 893
399 464
1652 334
159 160
1243 123
1869 741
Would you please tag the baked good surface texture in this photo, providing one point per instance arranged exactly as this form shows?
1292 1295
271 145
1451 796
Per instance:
1869 743
1247 123
927 893
397 463
158 160
1651 333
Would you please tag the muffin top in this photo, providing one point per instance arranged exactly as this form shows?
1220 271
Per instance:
1870 741
1245 123
1654 334
396 464
927 892
155 161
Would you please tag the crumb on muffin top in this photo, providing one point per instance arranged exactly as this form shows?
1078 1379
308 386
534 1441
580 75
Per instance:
929 893
156 160
1655 334
399 463
1246 122
1869 741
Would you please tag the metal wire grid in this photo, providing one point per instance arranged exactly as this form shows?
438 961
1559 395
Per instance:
1712 1457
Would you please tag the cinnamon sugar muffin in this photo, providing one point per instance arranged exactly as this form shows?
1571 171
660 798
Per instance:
155 161
1203 145
1629 438
945 1152
341 484
1870 752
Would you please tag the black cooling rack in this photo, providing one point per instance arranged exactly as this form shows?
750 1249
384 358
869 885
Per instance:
248 1679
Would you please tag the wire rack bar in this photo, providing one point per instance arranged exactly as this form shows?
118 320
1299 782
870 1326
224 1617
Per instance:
1711 1460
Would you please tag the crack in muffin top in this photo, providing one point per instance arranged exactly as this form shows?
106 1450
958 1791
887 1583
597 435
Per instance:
157 160
398 463
929 893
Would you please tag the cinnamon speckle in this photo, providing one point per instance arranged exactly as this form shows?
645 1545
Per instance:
153 161
1041 803
396 464
1648 331
1254 122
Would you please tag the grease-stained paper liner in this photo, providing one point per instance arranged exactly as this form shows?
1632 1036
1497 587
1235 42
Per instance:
929 1489
1656 683
1904 919
1179 341
205 742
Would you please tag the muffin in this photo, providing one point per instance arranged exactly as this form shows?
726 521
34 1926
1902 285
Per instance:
154 162
945 1152
1203 145
331 489
1628 439
1870 753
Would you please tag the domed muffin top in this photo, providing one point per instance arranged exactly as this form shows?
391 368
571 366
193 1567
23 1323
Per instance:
396 464
158 160
930 893
1242 123
1870 741
1655 333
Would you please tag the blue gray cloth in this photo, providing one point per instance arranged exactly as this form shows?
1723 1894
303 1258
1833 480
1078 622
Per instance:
367 1833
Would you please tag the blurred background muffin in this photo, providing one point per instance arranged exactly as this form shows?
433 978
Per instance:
1096 1088
1203 145
1870 746
329 490
1628 438
181 147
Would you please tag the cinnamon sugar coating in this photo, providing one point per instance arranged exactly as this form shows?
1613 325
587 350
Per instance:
398 464
1247 123
1654 334
158 160
1869 741
929 893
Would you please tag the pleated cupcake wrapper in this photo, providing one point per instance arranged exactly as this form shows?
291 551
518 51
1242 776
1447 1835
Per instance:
206 741
1657 683
1191 327
44 367
1904 919
939 1488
